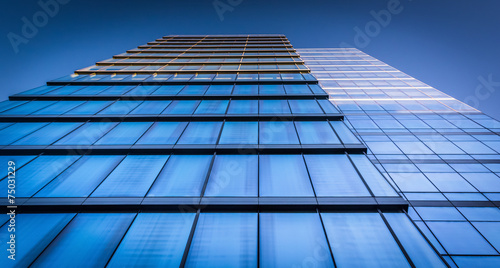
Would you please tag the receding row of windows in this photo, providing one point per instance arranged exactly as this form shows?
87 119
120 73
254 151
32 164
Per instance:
178 107
171 90
180 133
192 67
216 46
350 106
201 60
222 240
243 49
373 83
349 56
351 68
324 63
363 75
206 54
178 77
186 176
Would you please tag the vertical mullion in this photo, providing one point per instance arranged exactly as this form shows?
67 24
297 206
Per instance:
118 245
55 237
396 239
360 176
326 236
190 240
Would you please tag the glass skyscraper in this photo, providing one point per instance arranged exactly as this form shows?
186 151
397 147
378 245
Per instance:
241 151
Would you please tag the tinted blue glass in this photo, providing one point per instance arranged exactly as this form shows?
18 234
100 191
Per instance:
412 182
4 125
453 234
81 178
450 182
477 261
19 160
240 133
316 132
39 90
233 175
420 252
48 134
316 89
66 90
121 107
219 90
224 240
481 213
484 182
194 90
344 133
439 213
90 107
283 175
183 175
334 175
374 245
142 90
181 107
297 89
29 107
246 90
154 240
168 90
17 131
327 106
151 107
305 107
59 108
5 105
277 133
243 107
273 107
33 233
89 240
38 173
490 231
86 134
271 90
90 90
132 177
201 133
116 90
124 133
377 183
163 133
292 240
212 107
474 147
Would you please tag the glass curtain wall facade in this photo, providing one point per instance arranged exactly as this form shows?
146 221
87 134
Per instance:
439 153
226 151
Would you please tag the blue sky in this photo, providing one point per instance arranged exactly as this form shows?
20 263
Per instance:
451 45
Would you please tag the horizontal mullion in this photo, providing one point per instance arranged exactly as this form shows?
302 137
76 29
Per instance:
210 51
213 204
119 83
191 71
194 149
170 118
103 63
166 97
138 55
